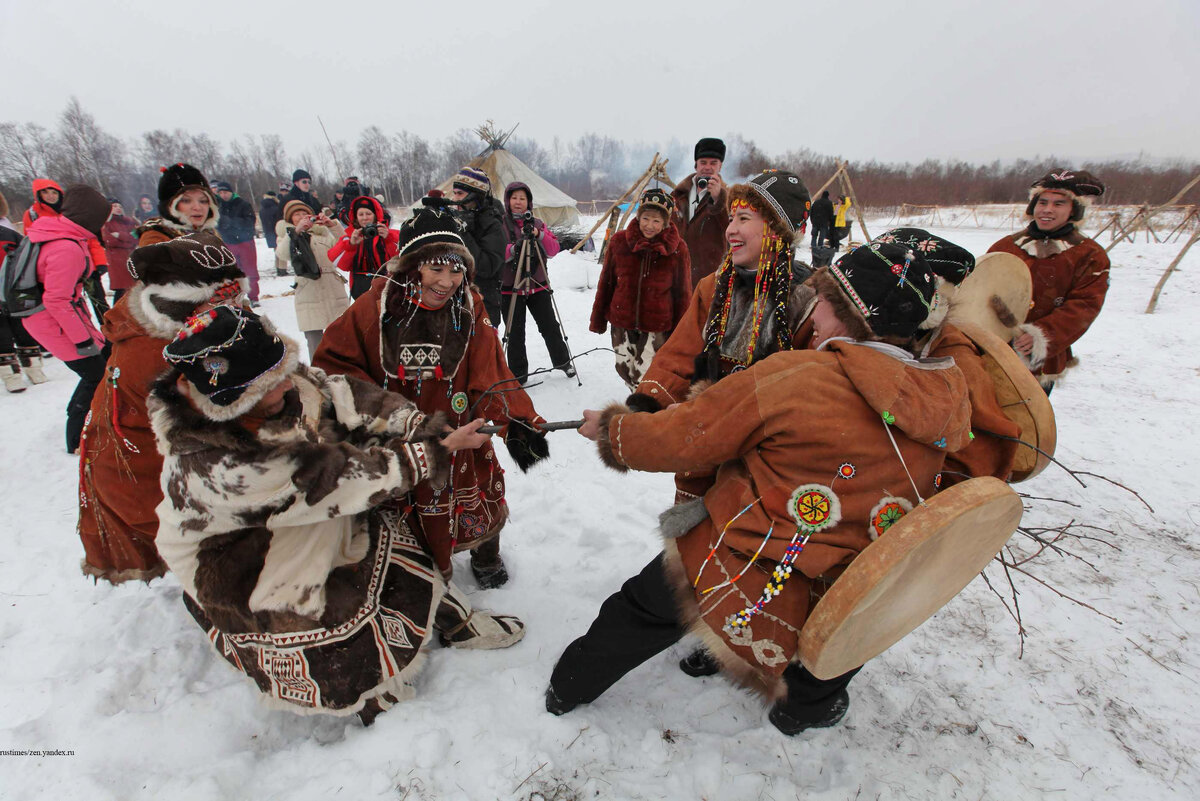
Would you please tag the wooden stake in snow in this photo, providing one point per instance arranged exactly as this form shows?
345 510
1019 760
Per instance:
1170 269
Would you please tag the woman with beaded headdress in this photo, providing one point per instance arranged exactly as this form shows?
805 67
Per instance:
423 332
755 304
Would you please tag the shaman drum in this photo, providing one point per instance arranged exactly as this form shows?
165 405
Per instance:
910 572
996 295
1022 400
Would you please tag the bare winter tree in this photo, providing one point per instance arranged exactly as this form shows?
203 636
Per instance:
88 153
377 161
418 165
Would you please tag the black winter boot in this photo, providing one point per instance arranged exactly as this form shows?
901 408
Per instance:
831 716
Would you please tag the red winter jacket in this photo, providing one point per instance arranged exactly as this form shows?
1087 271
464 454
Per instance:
119 242
368 256
645 284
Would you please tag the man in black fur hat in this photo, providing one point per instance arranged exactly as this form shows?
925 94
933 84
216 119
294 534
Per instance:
702 208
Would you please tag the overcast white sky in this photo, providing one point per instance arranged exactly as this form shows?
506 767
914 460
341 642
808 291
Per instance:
895 81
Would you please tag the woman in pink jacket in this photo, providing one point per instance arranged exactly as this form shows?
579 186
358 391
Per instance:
64 327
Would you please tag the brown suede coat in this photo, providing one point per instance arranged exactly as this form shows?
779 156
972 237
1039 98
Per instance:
703 229
475 510
669 379
986 454
768 434
1068 290
119 460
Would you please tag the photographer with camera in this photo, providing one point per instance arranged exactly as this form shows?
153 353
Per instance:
351 190
702 209
320 290
367 245
484 236
525 284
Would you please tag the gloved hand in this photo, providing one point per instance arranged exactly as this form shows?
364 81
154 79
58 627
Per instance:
86 349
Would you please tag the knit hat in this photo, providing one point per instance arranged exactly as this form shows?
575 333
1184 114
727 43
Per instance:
779 196
300 175
470 179
432 232
113 199
284 187
222 186
1081 186
890 287
195 259
291 207
232 358
709 148
657 199
175 180
86 207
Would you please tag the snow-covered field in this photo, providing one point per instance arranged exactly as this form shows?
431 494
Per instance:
1094 708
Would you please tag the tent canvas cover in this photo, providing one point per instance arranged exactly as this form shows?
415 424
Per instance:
555 207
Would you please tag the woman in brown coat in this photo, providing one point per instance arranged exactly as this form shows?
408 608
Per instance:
119 460
423 331
644 286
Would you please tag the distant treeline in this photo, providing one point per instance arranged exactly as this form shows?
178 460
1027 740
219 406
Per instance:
403 166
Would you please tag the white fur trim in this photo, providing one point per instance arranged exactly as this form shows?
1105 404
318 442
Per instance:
141 306
1041 346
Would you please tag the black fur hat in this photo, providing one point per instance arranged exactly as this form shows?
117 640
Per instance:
231 358
709 148
891 286
175 180
196 259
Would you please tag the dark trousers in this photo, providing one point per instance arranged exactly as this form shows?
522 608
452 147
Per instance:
641 621
819 233
491 301
360 283
91 372
541 306
13 335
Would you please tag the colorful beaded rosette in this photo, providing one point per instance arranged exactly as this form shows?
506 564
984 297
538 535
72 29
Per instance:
886 514
814 507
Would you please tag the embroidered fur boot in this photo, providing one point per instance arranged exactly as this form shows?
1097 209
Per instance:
10 371
31 362
460 626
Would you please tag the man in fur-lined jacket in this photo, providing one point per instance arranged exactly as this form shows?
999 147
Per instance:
1069 270
799 489
284 517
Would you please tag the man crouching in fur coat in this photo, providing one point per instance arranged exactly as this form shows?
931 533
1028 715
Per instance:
804 443
1069 271
284 519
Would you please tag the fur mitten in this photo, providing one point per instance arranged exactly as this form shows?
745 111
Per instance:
640 402
526 444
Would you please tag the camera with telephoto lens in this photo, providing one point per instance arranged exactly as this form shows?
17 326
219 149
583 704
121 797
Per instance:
702 183
371 230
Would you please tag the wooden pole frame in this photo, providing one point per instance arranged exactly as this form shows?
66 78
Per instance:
1170 269
616 204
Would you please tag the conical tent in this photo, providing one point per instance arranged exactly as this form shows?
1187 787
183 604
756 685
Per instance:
555 207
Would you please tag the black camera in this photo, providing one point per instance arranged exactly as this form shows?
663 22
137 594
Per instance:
371 230
702 183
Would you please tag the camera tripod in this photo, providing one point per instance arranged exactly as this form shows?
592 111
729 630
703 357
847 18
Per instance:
523 279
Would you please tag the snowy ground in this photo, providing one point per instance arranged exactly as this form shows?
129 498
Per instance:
1094 708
